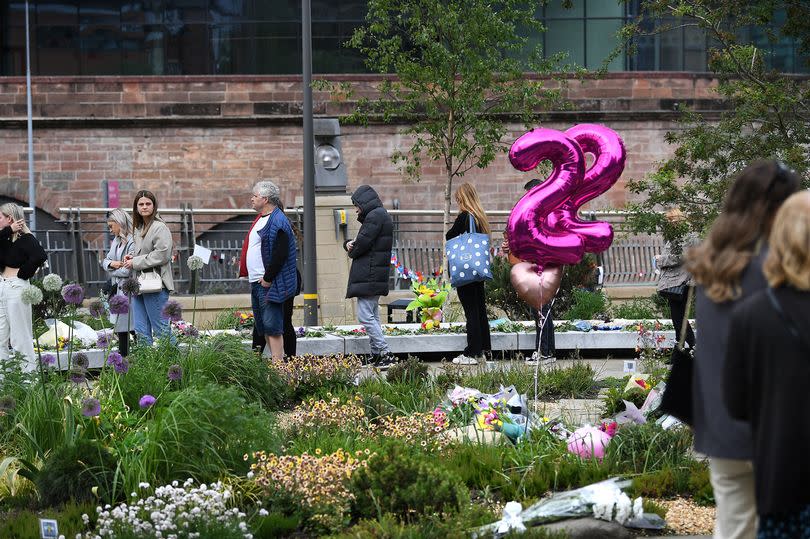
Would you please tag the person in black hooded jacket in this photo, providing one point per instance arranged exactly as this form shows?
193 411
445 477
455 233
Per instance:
370 252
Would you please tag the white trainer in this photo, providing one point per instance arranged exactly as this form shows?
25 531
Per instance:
461 359
533 359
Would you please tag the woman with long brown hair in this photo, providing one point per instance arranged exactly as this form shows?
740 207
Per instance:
767 374
472 295
727 267
152 253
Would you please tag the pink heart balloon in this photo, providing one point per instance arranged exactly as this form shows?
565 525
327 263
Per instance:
534 286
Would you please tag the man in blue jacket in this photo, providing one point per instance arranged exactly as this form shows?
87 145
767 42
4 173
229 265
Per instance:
270 260
370 252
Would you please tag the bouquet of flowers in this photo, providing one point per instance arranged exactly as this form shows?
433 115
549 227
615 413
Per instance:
430 298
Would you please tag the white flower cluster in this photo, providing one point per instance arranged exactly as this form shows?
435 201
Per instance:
172 512
31 295
195 263
606 501
52 282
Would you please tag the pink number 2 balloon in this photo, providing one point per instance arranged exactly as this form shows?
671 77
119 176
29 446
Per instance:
609 156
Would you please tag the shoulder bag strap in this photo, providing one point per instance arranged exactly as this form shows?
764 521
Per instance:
472 224
789 324
690 295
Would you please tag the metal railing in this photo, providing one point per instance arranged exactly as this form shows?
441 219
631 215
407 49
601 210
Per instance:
79 240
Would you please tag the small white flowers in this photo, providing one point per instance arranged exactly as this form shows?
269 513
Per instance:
195 263
32 295
172 511
52 282
606 501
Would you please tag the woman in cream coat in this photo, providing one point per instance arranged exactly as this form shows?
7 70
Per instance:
152 253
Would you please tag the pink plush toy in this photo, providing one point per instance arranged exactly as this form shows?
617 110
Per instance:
588 442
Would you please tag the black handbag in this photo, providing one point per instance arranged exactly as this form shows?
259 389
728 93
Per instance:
677 398
109 288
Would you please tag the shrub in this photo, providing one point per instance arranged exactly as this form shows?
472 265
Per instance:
577 277
317 375
501 294
636 309
25 524
72 471
587 305
411 371
402 482
648 447
577 381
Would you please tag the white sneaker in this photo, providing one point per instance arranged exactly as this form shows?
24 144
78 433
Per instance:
461 359
533 359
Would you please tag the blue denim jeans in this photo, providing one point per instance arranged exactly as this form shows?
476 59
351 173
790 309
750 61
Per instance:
268 316
148 321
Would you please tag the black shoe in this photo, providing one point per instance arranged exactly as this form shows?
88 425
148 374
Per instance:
371 360
385 361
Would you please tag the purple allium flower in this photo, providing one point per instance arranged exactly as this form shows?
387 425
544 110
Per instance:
91 407
80 359
172 311
301 331
146 401
119 304
48 360
114 358
73 293
175 373
96 309
7 403
103 340
76 375
122 367
130 286
191 331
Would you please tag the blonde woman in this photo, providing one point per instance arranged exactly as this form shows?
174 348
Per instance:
472 295
767 374
21 256
120 225
727 267
152 252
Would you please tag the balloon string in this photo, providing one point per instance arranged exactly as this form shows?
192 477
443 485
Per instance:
542 325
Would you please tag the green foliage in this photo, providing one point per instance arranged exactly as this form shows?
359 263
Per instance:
587 305
501 294
222 360
576 381
638 309
765 114
201 433
412 371
383 397
577 277
400 481
25 524
642 448
71 471
700 486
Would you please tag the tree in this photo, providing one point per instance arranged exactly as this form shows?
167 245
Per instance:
767 113
459 69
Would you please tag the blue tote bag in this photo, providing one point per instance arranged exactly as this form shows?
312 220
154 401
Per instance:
468 257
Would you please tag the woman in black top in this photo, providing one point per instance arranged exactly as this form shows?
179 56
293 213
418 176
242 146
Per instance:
472 295
21 256
767 373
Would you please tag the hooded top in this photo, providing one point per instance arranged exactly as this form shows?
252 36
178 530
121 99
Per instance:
371 252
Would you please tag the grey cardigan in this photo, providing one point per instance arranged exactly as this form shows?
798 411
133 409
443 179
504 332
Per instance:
154 251
673 272
716 433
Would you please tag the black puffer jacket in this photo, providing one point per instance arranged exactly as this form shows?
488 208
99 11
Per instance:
371 252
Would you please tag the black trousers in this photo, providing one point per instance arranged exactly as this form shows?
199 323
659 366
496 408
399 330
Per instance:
123 343
544 340
677 309
475 309
290 337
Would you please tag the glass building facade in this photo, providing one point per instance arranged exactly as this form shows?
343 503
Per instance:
212 37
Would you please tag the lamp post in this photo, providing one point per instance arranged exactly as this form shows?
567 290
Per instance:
310 269
32 201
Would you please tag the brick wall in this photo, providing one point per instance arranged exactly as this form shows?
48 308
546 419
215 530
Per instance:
205 140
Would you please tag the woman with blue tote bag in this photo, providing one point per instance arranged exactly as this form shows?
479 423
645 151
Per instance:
469 265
